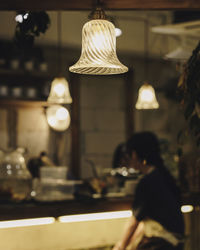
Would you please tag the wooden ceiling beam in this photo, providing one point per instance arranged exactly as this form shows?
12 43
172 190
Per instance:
89 4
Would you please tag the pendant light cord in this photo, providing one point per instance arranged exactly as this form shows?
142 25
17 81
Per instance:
99 3
146 49
59 30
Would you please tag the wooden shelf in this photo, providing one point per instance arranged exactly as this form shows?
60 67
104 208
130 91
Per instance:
21 72
13 104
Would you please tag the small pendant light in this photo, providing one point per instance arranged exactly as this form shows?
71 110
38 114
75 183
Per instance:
59 92
58 117
146 98
98 55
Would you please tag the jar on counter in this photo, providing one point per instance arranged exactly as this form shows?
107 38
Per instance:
15 179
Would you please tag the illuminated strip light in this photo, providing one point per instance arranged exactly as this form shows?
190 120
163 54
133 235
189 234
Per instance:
95 216
27 222
187 208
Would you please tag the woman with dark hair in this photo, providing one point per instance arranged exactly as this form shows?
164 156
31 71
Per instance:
157 222
120 157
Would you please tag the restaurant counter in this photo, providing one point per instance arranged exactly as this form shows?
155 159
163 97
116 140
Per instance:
33 209
84 205
92 232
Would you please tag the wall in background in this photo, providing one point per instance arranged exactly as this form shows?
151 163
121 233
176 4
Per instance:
102 112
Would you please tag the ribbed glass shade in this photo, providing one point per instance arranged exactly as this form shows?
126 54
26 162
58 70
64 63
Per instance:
58 117
59 92
146 98
98 55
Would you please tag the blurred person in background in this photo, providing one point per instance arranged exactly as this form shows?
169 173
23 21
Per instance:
157 222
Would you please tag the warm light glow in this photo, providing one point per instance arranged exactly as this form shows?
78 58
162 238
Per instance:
186 209
98 56
59 92
118 32
96 216
20 18
62 114
26 222
146 98
58 117
59 89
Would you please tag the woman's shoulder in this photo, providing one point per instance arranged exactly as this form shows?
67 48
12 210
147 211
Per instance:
150 180
154 173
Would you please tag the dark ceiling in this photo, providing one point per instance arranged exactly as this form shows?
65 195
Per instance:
88 4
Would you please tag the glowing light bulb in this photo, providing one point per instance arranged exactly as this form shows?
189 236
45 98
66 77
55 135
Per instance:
147 95
59 89
118 32
58 117
59 92
25 16
62 114
187 209
19 18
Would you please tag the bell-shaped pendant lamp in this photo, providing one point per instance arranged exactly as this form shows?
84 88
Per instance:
146 98
59 92
98 55
58 117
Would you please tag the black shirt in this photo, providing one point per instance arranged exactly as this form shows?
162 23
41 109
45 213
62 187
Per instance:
155 199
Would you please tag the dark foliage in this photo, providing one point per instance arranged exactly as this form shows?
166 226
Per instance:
32 26
189 89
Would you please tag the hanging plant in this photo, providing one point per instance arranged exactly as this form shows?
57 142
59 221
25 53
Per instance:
30 25
189 92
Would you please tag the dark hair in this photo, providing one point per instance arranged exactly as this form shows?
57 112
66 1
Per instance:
146 145
119 156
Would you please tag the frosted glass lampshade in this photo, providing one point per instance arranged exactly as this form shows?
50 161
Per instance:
179 54
58 117
98 55
59 92
146 98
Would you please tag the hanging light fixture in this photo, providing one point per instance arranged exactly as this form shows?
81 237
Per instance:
58 117
183 52
98 55
59 92
146 98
